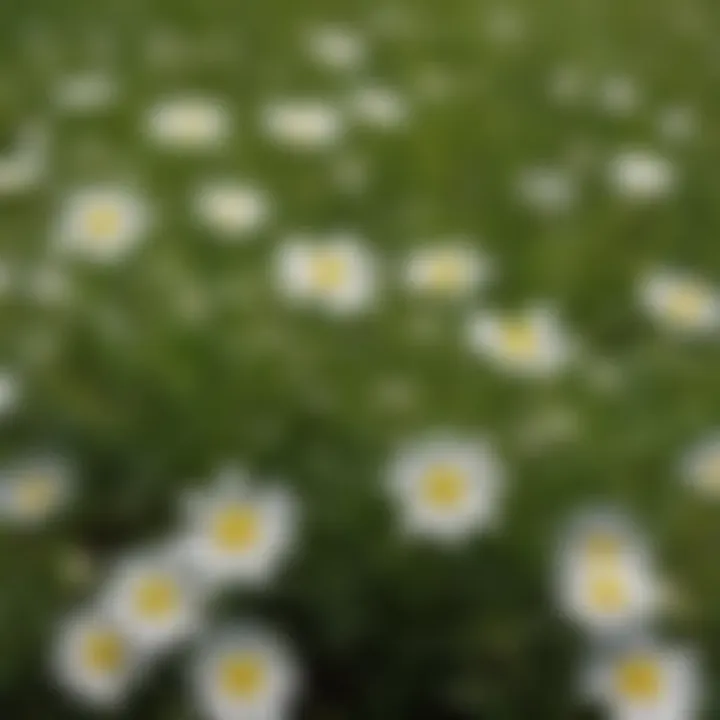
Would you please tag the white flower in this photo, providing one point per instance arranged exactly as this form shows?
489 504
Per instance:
567 85
155 599
453 269
9 393
303 124
237 532
530 342
336 273
680 301
647 680
35 489
336 47
231 208
94 661
606 582
246 672
378 106
700 466
547 189
24 166
86 92
102 223
446 487
189 123
619 95
642 176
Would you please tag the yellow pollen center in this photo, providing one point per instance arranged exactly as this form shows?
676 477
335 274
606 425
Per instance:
242 677
104 652
520 338
639 679
607 593
103 222
445 487
236 528
687 303
446 273
329 271
156 598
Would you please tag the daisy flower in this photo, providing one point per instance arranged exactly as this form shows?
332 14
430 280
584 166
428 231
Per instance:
86 92
336 47
645 680
189 123
93 660
546 189
446 487
231 208
24 166
530 342
379 107
606 582
642 176
336 272
238 532
451 269
35 489
102 223
303 124
680 301
246 672
155 599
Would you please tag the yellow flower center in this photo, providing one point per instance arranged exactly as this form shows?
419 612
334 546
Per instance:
157 597
35 494
607 593
236 528
444 487
242 676
103 652
328 271
687 303
520 338
103 221
446 273
639 679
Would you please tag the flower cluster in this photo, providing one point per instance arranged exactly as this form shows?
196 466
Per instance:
236 534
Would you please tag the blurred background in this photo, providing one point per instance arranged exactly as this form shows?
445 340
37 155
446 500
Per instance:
574 144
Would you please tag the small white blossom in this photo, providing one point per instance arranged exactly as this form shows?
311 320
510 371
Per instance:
155 599
86 92
35 489
531 342
642 176
10 392
246 672
94 661
305 124
680 301
547 189
336 273
647 680
380 107
619 95
447 487
189 123
605 578
454 268
231 208
336 47
102 223
239 532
